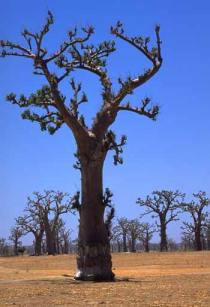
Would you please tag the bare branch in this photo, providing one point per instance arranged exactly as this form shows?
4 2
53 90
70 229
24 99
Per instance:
141 44
7 45
77 99
149 112
72 42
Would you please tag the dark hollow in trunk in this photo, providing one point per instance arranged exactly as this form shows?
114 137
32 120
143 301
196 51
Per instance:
94 256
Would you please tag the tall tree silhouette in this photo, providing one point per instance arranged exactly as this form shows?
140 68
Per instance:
93 142
196 208
163 205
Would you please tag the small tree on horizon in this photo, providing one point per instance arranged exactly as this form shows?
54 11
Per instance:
15 234
134 228
145 235
52 205
164 206
199 217
93 142
121 230
187 239
65 239
32 222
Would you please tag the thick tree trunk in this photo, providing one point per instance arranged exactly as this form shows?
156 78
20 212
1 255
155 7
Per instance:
16 248
198 243
163 238
50 241
66 247
146 245
94 257
38 245
133 245
57 244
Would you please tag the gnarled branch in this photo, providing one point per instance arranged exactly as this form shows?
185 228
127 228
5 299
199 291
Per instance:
141 44
142 110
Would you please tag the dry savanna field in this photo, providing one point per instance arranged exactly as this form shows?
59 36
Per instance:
154 279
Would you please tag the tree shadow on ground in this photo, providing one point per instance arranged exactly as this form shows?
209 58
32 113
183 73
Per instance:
69 279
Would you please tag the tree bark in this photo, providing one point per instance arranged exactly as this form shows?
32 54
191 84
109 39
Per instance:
133 245
50 240
198 243
146 244
146 247
94 257
163 238
16 248
38 245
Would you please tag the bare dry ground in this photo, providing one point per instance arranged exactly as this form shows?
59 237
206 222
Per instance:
155 279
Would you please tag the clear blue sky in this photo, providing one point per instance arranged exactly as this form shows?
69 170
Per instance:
171 153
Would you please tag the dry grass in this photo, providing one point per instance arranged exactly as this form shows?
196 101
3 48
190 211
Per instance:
167 279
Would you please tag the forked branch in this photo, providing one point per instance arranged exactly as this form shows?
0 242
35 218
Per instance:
150 112
142 44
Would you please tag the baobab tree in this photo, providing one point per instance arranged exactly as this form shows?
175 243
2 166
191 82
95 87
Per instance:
94 141
163 206
121 229
134 228
145 235
42 215
198 214
64 239
52 205
15 234
115 240
32 222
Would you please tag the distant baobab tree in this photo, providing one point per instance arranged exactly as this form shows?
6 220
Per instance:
121 230
32 222
196 208
145 235
134 228
94 141
52 205
165 206
42 215
15 234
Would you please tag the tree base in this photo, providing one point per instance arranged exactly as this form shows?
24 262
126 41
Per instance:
94 263
94 277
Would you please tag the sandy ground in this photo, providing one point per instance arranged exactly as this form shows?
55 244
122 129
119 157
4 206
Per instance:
154 279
